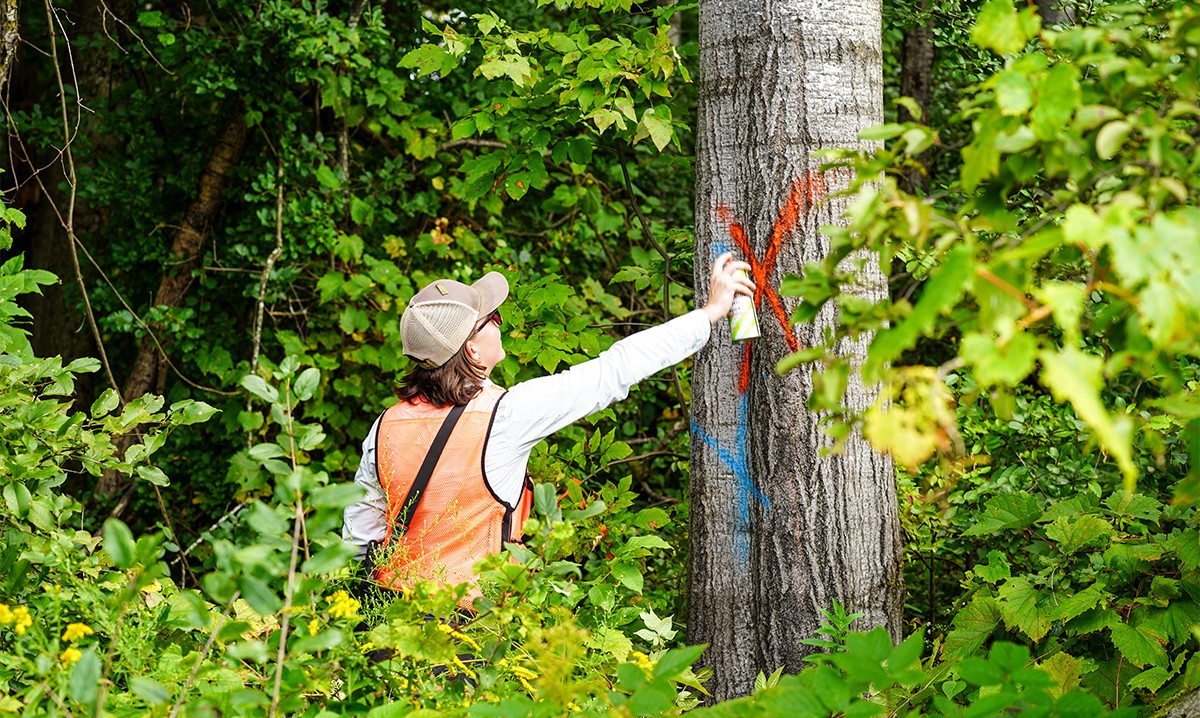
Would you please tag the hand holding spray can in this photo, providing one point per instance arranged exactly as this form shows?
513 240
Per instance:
743 320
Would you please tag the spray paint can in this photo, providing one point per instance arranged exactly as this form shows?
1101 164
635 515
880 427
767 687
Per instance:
743 320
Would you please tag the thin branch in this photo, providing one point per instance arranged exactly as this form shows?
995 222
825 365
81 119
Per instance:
69 220
494 144
105 12
270 264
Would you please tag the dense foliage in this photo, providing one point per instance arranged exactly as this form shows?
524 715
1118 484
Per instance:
1038 353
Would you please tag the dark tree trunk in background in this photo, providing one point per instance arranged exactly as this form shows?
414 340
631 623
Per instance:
916 77
149 366
778 531
1055 12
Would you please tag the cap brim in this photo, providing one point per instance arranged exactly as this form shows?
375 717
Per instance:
493 290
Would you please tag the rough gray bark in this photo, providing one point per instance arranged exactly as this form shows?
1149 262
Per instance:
778 531
9 37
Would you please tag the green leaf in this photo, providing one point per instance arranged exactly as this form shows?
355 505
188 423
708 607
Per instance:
149 690
118 542
1065 670
1020 608
1001 29
612 642
628 575
329 559
659 129
1004 512
1151 679
1110 138
1058 95
973 626
677 660
1082 601
154 475
1077 377
1187 546
84 685
259 387
306 384
259 595
882 132
1140 646
188 411
105 403
995 570
327 178
1074 533
995 362
940 293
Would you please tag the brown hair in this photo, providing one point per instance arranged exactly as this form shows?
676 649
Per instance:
455 382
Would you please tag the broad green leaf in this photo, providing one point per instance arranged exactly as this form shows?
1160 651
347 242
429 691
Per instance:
329 559
327 178
628 575
940 293
1000 28
1058 95
1140 646
259 387
149 690
612 642
1077 377
1004 512
105 403
118 542
1085 600
1006 363
1151 679
1020 607
1065 670
677 660
154 475
1074 533
306 384
259 595
973 626
659 130
1186 545
84 685
881 132
995 570
1014 93
188 412
1110 138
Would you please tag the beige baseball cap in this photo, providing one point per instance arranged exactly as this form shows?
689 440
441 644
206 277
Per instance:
441 317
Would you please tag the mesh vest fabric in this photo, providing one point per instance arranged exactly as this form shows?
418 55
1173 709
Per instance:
459 520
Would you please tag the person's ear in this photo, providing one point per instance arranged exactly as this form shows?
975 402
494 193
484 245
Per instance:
472 350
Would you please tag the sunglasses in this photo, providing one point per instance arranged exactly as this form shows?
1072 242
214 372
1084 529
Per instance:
493 317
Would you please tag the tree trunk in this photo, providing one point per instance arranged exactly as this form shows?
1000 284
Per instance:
149 365
1055 12
916 77
9 38
779 531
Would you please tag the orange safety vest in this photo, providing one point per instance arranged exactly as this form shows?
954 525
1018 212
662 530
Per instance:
458 520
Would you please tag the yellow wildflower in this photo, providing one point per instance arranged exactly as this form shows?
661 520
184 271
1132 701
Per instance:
341 605
522 672
70 655
75 631
525 684
462 667
23 620
449 631
314 626
6 615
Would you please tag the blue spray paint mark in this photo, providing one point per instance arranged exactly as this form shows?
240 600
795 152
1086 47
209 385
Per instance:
738 462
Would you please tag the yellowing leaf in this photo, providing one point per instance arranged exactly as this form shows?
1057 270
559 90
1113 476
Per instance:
1076 377
999 27
1111 137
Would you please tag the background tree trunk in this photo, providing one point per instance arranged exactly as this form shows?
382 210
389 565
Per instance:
778 531
916 76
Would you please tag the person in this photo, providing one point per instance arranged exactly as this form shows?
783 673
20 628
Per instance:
434 507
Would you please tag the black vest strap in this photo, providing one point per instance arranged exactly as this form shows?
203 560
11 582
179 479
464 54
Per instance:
409 507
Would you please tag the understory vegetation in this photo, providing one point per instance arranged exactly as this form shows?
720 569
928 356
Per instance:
1038 358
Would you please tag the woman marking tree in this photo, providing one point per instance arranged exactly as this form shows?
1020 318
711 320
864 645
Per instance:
444 469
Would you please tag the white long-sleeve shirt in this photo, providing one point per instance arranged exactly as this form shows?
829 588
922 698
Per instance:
535 409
